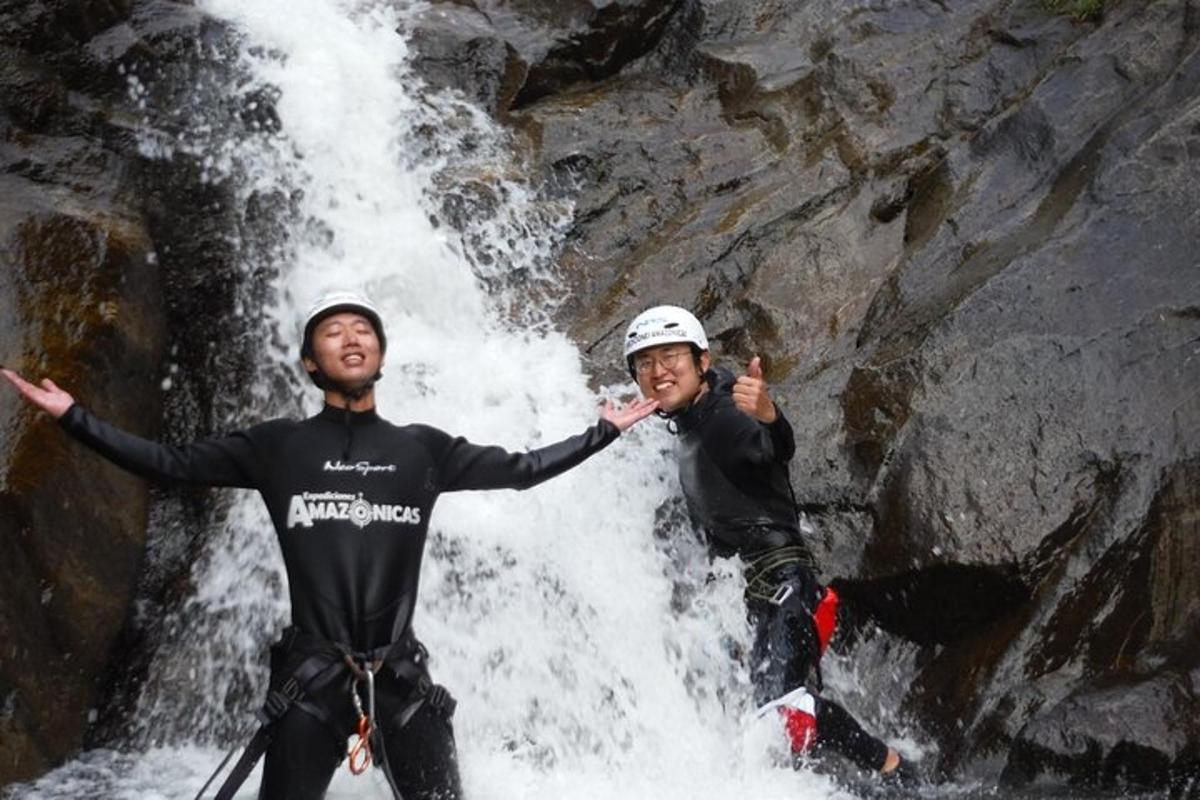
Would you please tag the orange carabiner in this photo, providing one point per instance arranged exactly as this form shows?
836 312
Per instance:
360 753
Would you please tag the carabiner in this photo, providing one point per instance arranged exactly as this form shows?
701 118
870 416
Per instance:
370 692
360 753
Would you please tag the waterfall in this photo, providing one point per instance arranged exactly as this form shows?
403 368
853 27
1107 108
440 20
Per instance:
590 657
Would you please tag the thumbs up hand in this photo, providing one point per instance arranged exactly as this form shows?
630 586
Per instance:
750 394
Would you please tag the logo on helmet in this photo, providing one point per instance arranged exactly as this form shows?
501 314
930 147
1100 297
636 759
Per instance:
664 325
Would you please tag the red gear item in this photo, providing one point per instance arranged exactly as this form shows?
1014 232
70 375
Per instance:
801 728
826 618
798 709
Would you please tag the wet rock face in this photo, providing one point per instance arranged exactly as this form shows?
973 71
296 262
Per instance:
963 239
85 314
81 305
506 53
1135 733
94 294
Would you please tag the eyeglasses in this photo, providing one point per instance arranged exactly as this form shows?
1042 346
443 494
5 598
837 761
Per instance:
644 365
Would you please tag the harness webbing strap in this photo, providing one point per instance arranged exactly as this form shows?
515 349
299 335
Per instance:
241 770
759 583
314 672
324 662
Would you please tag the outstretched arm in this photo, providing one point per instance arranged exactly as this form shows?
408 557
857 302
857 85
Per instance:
470 466
214 462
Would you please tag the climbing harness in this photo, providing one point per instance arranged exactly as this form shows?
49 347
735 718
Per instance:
760 573
322 663
774 586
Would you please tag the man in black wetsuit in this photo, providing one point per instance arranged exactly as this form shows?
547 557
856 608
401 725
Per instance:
734 446
350 496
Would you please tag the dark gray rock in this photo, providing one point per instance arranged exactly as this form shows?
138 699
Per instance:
1140 733
591 40
507 53
1041 334
457 47
53 27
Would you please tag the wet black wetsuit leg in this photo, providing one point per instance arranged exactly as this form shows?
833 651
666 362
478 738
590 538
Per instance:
423 757
841 733
785 639
786 656
300 760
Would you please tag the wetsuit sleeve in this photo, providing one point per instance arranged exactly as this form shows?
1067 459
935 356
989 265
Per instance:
737 438
227 461
783 440
463 465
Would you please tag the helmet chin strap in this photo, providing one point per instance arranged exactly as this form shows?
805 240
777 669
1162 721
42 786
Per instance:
351 393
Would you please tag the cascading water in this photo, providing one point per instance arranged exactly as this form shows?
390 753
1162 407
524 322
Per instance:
590 658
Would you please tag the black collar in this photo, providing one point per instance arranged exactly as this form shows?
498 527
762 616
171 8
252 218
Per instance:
695 414
343 417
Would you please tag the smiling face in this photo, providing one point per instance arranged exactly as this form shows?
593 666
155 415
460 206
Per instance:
346 349
669 374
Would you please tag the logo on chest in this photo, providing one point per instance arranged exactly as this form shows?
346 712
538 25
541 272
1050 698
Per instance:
310 507
360 467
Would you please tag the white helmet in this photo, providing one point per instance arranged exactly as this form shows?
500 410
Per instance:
336 303
663 325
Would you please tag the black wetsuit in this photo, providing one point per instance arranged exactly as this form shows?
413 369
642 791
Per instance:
734 474
350 496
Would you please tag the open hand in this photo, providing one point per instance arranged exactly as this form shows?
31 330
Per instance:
750 394
626 416
48 397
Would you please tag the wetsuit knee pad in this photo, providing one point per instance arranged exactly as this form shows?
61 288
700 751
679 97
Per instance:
798 711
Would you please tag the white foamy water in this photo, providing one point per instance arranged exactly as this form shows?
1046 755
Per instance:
548 612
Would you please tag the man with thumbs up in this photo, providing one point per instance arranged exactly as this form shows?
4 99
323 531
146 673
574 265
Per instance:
734 446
